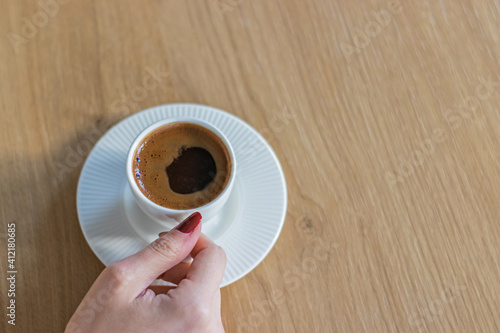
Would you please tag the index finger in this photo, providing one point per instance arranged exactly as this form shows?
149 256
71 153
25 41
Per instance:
207 268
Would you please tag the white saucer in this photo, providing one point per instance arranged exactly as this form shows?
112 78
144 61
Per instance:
248 225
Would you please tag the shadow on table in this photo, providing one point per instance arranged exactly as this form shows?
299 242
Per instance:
66 267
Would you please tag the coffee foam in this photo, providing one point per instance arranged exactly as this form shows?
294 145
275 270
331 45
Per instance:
159 149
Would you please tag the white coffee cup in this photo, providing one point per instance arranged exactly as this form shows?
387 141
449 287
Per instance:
168 216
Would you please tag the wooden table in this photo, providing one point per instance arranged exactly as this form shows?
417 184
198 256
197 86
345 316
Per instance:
385 117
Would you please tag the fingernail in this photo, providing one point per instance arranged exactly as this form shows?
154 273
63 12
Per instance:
188 225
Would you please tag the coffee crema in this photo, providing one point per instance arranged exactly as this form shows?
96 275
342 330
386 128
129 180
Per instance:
181 166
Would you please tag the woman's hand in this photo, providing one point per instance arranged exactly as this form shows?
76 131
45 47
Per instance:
122 300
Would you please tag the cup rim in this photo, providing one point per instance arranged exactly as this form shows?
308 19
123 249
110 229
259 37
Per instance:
166 121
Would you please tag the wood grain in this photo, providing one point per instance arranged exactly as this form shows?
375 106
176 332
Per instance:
381 114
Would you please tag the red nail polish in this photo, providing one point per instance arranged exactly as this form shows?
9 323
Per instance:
188 225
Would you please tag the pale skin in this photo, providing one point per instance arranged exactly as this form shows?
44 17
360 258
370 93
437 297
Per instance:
123 300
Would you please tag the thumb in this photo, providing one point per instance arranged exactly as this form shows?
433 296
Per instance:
162 254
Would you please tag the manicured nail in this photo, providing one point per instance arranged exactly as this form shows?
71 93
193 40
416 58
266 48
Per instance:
188 225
